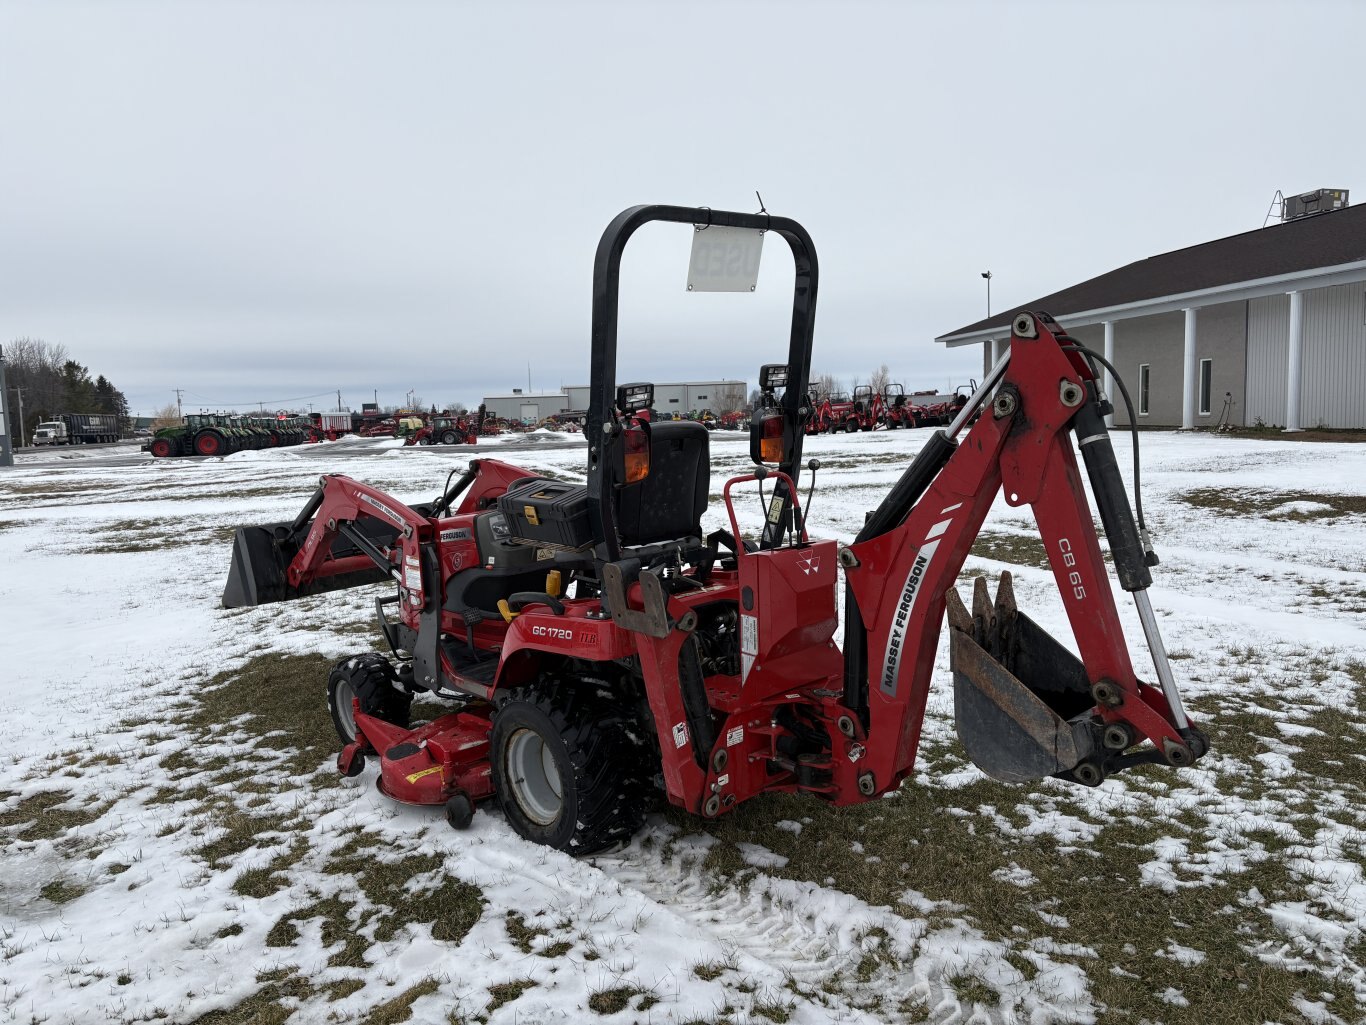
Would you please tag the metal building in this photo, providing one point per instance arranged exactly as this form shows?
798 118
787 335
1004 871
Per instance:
682 396
1267 327
528 407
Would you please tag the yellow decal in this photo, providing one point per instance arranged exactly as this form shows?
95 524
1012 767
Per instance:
530 512
425 772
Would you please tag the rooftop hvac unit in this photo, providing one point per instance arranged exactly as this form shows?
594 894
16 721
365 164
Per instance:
1320 201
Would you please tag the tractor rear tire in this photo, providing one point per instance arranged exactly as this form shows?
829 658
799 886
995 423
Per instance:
371 678
449 438
568 769
208 443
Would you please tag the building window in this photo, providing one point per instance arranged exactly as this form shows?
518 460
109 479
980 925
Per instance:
701 396
674 401
1206 367
1143 389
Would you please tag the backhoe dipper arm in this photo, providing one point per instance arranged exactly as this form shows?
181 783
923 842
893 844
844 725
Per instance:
1026 707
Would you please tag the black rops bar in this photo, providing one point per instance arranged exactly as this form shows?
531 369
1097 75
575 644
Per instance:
606 292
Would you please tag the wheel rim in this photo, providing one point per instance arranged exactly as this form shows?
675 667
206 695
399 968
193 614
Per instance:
345 699
533 778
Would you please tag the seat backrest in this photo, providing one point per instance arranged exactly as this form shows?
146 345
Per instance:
668 504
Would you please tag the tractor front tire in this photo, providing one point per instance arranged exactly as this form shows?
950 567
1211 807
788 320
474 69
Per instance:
568 769
161 448
371 678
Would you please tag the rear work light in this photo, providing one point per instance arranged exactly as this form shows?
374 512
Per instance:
636 446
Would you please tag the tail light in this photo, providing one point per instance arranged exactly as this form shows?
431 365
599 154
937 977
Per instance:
766 437
636 446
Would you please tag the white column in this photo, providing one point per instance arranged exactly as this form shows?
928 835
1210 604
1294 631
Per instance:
1188 381
999 347
1109 378
1292 369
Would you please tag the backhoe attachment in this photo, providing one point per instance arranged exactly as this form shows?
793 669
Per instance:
1021 700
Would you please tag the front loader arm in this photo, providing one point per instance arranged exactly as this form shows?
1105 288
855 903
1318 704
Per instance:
343 537
343 506
348 534
1026 707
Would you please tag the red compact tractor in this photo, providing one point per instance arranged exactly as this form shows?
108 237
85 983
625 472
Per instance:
447 429
597 646
896 411
868 410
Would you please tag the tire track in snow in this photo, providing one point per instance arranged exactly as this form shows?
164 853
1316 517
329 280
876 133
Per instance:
779 929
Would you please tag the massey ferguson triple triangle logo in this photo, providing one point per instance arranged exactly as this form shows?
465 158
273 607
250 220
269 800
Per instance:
811 564
891 662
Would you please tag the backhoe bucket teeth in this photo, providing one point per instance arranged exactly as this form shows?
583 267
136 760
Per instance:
1017 693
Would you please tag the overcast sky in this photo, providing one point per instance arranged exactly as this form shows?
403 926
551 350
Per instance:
268 202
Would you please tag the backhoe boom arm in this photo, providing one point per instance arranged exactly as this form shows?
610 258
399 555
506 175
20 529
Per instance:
1026 707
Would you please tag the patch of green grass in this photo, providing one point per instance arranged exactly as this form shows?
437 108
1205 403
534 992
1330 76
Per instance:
262 882
44 816
972 990
1016 549
773 1011
507 992
342 989
62 891
273 1004
400 1008
612 1001
710 971
524 938
1243 502
450 907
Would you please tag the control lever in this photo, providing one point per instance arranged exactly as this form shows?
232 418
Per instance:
761 472
812 465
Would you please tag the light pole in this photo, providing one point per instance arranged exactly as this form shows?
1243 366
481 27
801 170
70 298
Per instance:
987 274
6 453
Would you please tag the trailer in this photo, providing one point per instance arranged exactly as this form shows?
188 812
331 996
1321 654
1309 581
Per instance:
77 429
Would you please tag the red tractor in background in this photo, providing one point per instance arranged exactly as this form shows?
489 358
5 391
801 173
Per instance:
868 411
598 646
896 411
448 429
835 414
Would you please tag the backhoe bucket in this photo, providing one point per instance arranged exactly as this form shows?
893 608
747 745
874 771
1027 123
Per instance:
261 555
1020 698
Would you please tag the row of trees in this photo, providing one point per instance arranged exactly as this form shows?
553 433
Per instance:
45 381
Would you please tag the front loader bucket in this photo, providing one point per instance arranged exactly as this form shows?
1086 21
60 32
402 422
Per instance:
1020 698
257 573
261 556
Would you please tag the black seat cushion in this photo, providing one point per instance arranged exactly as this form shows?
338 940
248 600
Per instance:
668 504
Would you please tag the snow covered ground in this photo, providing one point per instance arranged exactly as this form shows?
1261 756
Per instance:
175 843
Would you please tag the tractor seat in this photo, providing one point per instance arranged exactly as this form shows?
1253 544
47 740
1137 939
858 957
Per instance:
504 569
668 504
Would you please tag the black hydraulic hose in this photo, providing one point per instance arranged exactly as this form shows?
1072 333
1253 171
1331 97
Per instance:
449 495
1133 421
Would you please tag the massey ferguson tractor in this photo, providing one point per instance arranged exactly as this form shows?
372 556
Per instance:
597 646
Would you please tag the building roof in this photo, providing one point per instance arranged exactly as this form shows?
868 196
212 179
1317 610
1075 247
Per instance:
1294 248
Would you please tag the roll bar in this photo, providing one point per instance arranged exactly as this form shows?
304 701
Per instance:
602 382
